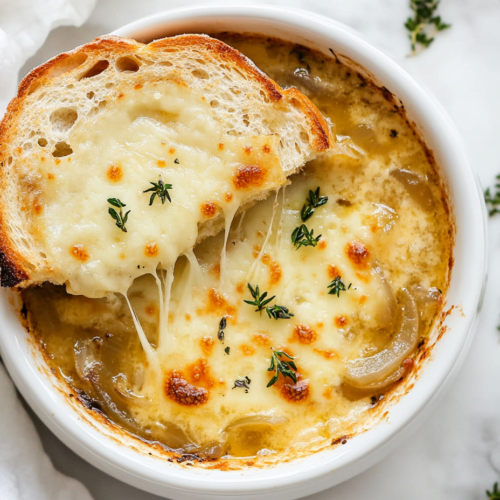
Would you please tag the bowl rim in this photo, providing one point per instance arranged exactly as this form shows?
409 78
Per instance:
141 471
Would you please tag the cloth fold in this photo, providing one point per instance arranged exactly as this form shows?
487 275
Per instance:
24 26
26 472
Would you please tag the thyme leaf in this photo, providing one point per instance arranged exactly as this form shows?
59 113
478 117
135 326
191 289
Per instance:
302 237
314 201
222 326
275 311
283 367
226 350
493 201
424 24
260 300
159 189
119 218
494 494
278 312
242 384
337 286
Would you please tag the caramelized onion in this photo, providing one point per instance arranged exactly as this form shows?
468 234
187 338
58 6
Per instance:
215 449
120 386
428 300
302 80
386 300
426 295
417 186
173 437
85 359
258 418
384 367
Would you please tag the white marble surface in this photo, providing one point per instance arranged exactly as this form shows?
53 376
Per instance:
456 453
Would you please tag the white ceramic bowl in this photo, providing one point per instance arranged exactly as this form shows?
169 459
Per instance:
124 457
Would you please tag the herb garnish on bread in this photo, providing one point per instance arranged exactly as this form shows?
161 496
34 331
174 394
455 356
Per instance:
113 117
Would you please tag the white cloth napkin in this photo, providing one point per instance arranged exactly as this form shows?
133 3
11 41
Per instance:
24 26
26 472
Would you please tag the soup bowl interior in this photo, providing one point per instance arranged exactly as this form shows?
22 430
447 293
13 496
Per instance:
129 459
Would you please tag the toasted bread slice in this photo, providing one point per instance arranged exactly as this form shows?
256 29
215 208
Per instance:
113 117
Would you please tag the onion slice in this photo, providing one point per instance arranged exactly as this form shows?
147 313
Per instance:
417 186
384 367
386 300
258 418
215 449
85 359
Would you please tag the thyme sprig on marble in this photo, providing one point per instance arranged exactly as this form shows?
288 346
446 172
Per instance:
493 200
159 189
337 286
119 218
424 25
282 366
493 205
494 494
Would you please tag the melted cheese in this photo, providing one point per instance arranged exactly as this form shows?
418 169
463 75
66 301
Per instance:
324 332
175 383
166 132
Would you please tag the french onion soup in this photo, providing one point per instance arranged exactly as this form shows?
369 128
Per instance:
285 331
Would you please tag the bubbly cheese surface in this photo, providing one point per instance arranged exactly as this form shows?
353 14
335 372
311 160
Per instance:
165 132
197 378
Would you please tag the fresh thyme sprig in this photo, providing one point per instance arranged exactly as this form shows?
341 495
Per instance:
275 311
314 201
494 494
120 219
493 201
279 366
337 286
302 237
260 300
159 189
278 312
424 24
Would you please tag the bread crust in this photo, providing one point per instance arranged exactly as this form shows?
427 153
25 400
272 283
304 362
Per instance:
15 268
